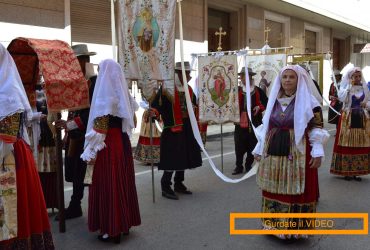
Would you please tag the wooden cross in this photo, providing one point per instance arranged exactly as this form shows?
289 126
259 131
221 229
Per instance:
220 34
267 30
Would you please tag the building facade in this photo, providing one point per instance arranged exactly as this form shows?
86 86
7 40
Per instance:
248 23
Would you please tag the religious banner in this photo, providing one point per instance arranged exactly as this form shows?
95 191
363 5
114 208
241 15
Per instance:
147 42
314 64
266 67
218 89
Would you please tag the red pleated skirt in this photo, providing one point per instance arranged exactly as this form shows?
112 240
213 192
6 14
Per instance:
49 187
113 203
33 222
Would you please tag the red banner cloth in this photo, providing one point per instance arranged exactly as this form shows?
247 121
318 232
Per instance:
65 86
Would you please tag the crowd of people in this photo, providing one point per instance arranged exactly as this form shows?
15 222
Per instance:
285 135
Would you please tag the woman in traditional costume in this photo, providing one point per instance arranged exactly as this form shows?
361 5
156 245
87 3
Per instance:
146 152
290 149
24 219
333 117
113 204
44 148
351 154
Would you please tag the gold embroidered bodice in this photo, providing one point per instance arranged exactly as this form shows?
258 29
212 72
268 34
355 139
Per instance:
9 126
101 124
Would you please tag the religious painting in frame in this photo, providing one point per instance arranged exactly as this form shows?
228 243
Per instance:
316 66
267 68
218 89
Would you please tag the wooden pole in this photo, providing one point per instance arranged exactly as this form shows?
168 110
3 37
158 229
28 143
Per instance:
60 180
222 151
151 152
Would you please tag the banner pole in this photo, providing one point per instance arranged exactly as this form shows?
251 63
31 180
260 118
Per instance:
151 152
60 181
113 28
222 151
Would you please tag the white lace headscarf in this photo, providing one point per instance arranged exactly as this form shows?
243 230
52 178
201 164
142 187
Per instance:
13 98
346 85
111 97
307 98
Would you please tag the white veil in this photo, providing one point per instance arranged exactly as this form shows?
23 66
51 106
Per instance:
307 98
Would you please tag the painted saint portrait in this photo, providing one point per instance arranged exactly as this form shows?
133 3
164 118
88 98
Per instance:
146 30
219 85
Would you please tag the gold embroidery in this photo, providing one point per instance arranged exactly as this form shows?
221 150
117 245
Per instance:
10 125
353 137
101 124
8 199
283 174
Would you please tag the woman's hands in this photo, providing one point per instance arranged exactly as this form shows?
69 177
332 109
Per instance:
257 157
315 162
91 162
61 124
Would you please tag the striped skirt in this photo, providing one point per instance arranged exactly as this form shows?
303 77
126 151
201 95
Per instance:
113 203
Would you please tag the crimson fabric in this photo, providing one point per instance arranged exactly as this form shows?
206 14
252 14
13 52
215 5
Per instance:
49 187
146 141
311 189
113 204
33 221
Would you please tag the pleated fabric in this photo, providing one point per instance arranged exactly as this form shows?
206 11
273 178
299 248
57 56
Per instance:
113 203
49 188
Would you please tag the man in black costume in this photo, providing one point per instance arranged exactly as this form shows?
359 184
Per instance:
244 137
75 126
179 149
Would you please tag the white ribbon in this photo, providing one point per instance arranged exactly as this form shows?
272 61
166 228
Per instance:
193 120
327 57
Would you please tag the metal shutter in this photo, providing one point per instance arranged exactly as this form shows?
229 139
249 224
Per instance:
91 21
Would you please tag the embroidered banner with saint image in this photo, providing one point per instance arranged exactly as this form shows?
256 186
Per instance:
218 89
266 67
147 41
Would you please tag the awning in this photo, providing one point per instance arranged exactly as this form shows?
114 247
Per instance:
366 49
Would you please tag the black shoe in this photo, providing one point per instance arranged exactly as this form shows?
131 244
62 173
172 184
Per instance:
115 239
248 168
347 178
238 170
181 188
169 193
357 178
71 213
101 238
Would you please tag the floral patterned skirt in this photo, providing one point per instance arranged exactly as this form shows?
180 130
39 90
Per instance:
351 154
33 222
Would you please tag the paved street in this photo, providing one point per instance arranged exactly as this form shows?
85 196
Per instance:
201 220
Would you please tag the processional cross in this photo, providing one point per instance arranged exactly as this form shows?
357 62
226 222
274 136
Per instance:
220 34
267 30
